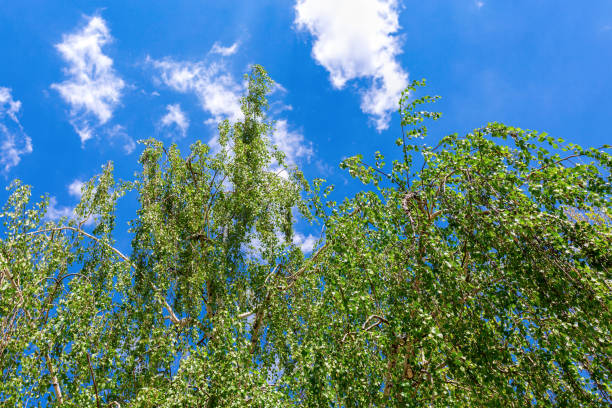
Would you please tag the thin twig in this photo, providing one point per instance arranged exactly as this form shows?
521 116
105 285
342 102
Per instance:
560 160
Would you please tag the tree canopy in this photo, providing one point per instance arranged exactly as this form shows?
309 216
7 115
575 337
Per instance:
472 273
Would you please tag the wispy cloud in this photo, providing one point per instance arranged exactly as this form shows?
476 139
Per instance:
356 39
92 88
75 188
291 143
304 242
175 118
479 3
9 106
117 133
14 142
216 89
219 94
56 211
224 51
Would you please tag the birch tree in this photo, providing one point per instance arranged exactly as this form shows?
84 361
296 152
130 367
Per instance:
472 273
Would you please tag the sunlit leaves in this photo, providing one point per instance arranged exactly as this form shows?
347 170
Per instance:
472 273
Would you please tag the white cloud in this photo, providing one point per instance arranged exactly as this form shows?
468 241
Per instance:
8 106
291 143
92 89
75 188
219 94
55 212
479 4
277 107
14 142
176 117
355 39
224 51
277 87
306 243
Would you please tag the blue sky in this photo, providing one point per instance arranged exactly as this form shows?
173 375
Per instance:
82 81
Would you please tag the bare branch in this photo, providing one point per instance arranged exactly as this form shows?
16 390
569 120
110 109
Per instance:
381 319
246 314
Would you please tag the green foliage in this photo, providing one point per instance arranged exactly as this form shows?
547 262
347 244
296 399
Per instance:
479 277
474 286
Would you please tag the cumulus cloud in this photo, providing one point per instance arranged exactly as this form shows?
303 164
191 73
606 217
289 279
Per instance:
14 142
356 39
217 91
92 88
291 143
224 51
175 117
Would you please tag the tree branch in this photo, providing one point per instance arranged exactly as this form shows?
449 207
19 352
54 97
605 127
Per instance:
560 161
293 278
161 299
93 379
380 320
54 381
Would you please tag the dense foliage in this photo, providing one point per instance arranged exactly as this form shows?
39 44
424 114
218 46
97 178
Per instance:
473 273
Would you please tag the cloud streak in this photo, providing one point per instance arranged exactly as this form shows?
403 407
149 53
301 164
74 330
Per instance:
92 88
117 133
355 39
224 51
14 142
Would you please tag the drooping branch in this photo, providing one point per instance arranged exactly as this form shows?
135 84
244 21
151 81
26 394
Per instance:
54 381
543 167
261 310
172 316
80 231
